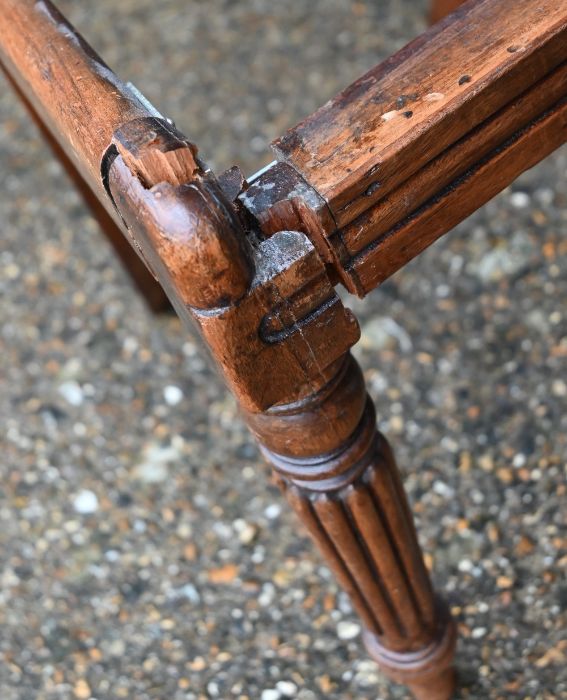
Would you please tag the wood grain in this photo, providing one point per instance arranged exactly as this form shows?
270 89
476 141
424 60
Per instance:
403 113
464 109
79 99
480 144
451 205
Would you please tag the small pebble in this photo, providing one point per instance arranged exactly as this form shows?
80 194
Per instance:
85 502
117 648
520 200
270 694
286 688
273 511
443 489
213 689
72 393
383 332
247 534
348 630
153 468
172 395
151 472
82 690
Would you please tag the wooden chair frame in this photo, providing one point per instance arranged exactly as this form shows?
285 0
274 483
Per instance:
358 189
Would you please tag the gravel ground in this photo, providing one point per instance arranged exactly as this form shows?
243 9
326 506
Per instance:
144 552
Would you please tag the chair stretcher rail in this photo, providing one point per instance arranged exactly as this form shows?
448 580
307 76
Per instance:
401 134
77 97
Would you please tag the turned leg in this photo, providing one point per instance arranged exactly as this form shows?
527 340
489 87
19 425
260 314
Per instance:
339 475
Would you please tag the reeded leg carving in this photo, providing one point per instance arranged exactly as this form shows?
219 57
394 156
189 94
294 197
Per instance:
339 475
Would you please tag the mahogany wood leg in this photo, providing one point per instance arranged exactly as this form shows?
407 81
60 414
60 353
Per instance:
339 475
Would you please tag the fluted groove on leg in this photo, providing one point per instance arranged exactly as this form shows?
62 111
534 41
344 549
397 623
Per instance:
369 518
304 508
364 520
388 492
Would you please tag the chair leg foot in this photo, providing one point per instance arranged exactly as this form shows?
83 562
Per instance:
428 673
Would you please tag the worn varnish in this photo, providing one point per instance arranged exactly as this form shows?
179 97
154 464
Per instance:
479 146
401 114
79 98
363 186
392 250
78 102
388 133
266 310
